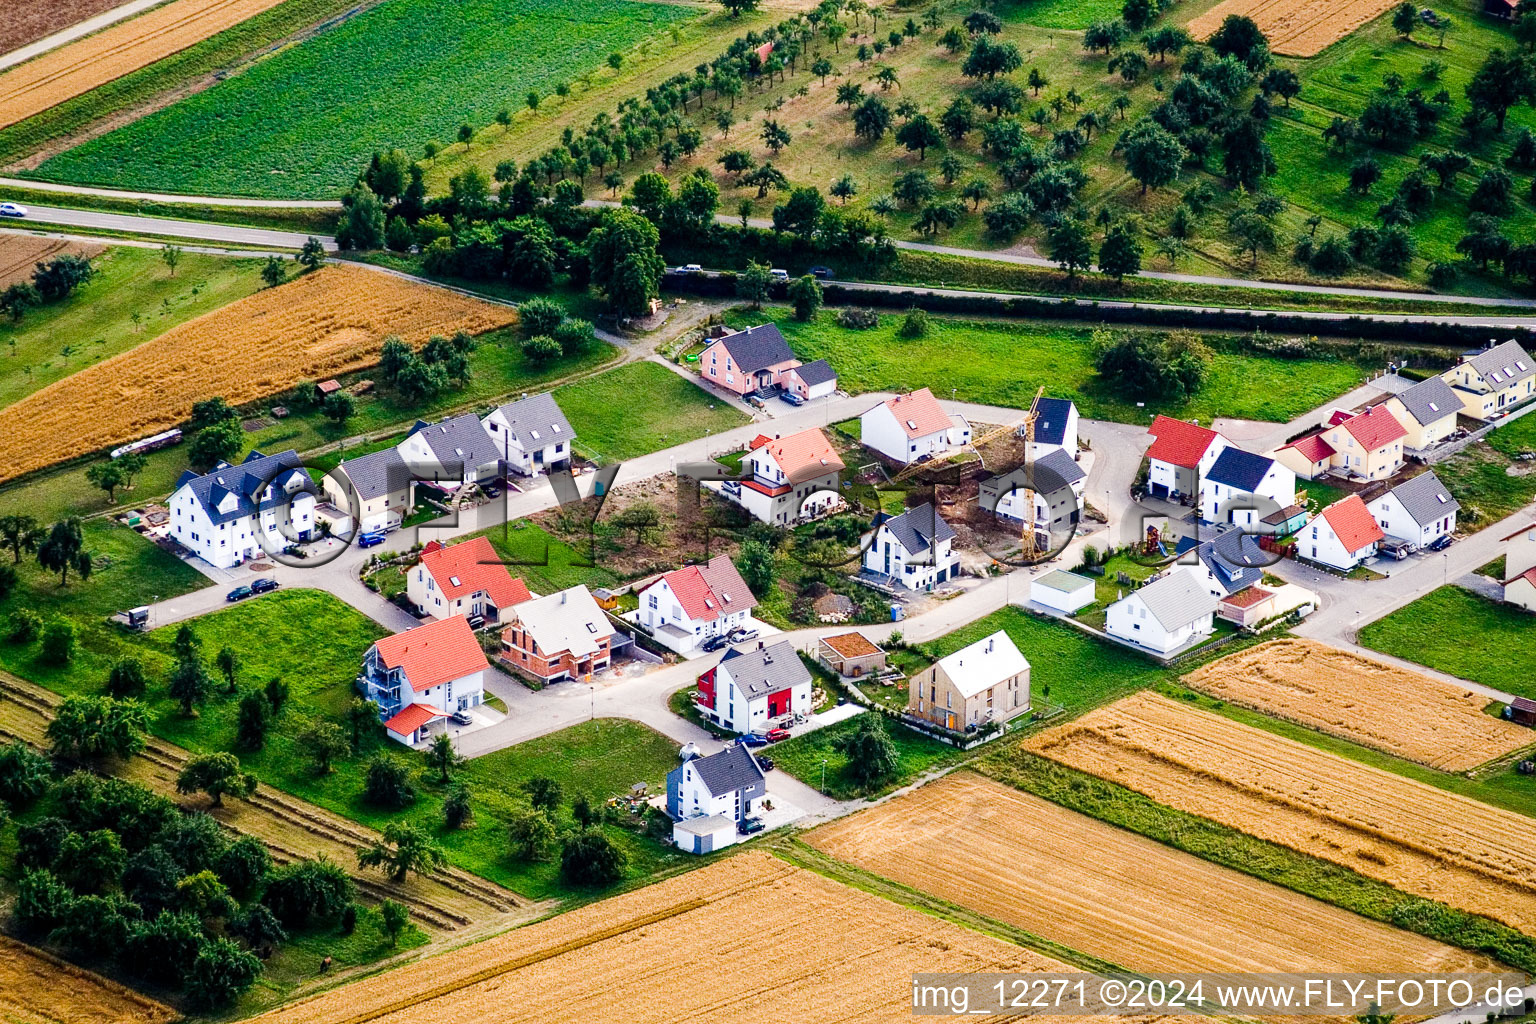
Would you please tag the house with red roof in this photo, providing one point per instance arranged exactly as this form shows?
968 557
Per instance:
912 427
1341 535
1182 453
684 608
1308 457
423 677
1368 445
1520 567
793 479
467 578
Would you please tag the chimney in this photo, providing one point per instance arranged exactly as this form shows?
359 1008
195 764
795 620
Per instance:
759 645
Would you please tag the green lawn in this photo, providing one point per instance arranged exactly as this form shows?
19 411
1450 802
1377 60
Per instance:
1000 363
804 758
545 562
96 322
638 408
1480 475
1459 632
400 74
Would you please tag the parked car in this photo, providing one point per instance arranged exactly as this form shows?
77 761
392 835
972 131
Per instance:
714 643
238 594
1398 549
749 826
461 718
765 762
822 273
476 621
491 491
1440 543
779 275
791 398
777 735
370 539
263 586
748 739
691 268
12 210
741 635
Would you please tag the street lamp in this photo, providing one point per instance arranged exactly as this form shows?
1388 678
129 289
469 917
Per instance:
823 776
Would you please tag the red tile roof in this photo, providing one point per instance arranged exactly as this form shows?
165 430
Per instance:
804 456
1339 416
708 591
1375 428
413 717
1529 576
1179 442
1353 523
918 413
470 566
435 653
1312 448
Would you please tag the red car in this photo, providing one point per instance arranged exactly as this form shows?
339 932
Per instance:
775 735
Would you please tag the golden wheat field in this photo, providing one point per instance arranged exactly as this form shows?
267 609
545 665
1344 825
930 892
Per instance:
792 945
20 254
1372 703
1135 903
320 324
36 988
94 60
1415 837
1295 28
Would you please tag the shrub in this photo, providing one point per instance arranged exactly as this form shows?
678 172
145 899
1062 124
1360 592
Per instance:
915 324
24 627
858 319
539 316
590 858
387 782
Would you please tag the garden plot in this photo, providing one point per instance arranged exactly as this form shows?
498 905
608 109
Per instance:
324 323
1295 28
817 950
1420 839
1382 706
1135 902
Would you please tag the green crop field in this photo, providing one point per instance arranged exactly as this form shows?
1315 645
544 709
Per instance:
304 121
1003 363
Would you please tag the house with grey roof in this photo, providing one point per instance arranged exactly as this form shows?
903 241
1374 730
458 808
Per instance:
1057 482
811 380
454 452
531 434
1055 426
376 488
1419 511
914 549
707 797
1168 615
1493 380
753 689
758 361
1427 411
234 513
1228 562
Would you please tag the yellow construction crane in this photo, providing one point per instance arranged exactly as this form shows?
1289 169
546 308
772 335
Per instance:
1027 547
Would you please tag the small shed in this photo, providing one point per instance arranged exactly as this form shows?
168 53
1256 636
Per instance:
851 654
1284 522
329 387
704 834
1523 710
1062 591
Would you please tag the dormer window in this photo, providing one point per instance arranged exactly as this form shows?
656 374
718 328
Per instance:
454 580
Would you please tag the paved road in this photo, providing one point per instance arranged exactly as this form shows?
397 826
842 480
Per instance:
170 197
9 228
200 230
1259 436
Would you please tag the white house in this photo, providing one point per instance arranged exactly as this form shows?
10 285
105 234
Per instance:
1062 591
531 435
1055 427
1419 510
423 676
454 452
235 513
1491 382
1180 456
708 796
1168 614
687 606
1058 483
914 549
376 487
793 478
467 578
1520 567
749 691
911 427
1242 488
1341 535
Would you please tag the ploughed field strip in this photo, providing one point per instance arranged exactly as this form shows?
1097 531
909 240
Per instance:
36 988
330 321
1110 893
1381 706
20 254
1295 28
749 938
1417 838
292 829
27 21
81 66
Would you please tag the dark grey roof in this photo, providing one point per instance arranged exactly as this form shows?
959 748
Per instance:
731 769
536 422
1051 420
1054 472
758 672
917 528
1425 498
382 472
460 441
1177 599
1234 558
248 483
1429 400
815 373
1237 468
1054 466
757 347
1503 364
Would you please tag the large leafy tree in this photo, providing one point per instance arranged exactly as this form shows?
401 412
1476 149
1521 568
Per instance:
625 265
401 849
871 754
85 728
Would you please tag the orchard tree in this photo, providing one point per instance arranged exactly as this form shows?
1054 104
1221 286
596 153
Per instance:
324 741
919 134
85 728
1070 246
402 849
623 261
872 756
530 834
442 758
805 294
1153 154
216 775
1120 255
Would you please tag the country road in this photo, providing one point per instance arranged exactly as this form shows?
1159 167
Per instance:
199 230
